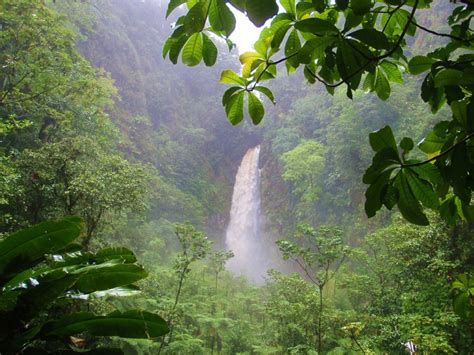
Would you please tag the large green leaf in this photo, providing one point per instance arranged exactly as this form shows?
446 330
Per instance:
383 138
316 26
192 51
176 46
314 48
432 143
172 5
422 190
392 71
105 276
209 51
196 17
348 64
280 33
361 7
374 194
235 108
267 92
382 86
407 203
220 17
452 77
130 324
31 244
428 172
371 37
419 64
289 6
228 94
292 46
259 11
256 110
230 77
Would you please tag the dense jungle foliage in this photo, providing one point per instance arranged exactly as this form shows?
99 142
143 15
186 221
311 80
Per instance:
117 168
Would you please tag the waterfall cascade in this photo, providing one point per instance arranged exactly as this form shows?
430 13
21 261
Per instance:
243 234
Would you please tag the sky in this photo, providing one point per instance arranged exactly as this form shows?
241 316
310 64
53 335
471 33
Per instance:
245 33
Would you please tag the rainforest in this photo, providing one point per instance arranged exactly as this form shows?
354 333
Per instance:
164 189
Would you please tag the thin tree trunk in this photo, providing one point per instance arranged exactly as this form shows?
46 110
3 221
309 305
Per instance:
170 319
320 316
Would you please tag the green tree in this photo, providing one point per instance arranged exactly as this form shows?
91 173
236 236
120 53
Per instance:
356 44
303 166
320 257
195 246
399 287
75 176
45 82
217 261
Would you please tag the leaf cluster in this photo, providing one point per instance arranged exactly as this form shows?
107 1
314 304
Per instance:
41 267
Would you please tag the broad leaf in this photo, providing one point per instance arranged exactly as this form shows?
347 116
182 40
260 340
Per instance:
422 190
382 86
192 51
259 11
256 110
220 17
228 94
407 204
371 37
101 277
196 17
314 48
289 6
235 108
267 92
316 26
361 7
419 64
230 77
209 51
31 244
173 4
130 324
383 138
392 71
432 143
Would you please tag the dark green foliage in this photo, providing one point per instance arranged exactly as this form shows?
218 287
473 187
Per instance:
42 269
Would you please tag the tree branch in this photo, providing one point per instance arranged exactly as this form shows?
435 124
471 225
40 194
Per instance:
469 136
460 39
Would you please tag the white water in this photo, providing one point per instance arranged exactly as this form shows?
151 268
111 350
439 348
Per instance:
243 234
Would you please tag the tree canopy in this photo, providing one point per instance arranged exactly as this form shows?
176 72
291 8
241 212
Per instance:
358 45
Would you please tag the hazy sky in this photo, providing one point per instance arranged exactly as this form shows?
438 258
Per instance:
245 33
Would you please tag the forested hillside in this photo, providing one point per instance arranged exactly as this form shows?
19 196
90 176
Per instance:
122 159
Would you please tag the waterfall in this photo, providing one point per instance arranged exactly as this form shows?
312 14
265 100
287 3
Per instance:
243 235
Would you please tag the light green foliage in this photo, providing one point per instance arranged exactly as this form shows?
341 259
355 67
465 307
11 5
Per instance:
194 247
463 289
303 166
217 261
402 285
41 269
293 307
319 254
44 79
76 176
